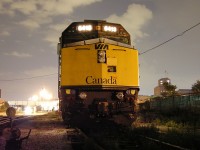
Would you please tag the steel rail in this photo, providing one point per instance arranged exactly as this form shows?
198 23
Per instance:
164 143
6 120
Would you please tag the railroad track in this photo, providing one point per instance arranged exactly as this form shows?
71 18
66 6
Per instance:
100 134
106 135
78 139
171 146
6 121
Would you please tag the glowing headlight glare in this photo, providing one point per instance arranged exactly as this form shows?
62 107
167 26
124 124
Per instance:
89 27
83 95
85 28
110 28
120 95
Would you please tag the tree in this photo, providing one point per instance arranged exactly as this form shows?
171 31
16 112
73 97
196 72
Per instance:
169 89
196 87
4 106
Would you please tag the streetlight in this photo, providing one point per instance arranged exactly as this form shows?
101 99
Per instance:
44 94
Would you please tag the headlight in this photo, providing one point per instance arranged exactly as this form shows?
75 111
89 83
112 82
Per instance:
83 95
84 28
101 56
120 95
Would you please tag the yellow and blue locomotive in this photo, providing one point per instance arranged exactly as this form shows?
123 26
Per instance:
98 70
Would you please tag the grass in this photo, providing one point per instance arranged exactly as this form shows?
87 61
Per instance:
178 128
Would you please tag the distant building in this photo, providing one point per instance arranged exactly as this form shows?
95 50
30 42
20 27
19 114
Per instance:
158 90
184 91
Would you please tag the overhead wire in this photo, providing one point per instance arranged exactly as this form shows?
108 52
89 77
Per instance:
28 77
180 34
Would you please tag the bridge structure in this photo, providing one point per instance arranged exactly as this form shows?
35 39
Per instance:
41 105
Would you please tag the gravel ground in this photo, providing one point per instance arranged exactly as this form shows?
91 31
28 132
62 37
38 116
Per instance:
48 133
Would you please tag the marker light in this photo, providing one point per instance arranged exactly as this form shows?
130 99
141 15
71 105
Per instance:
130 92
110 28
84 28
68 91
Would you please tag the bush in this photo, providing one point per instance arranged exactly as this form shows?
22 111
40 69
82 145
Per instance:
4 107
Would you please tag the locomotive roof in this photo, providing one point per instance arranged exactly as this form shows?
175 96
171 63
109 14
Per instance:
92 29
94 22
